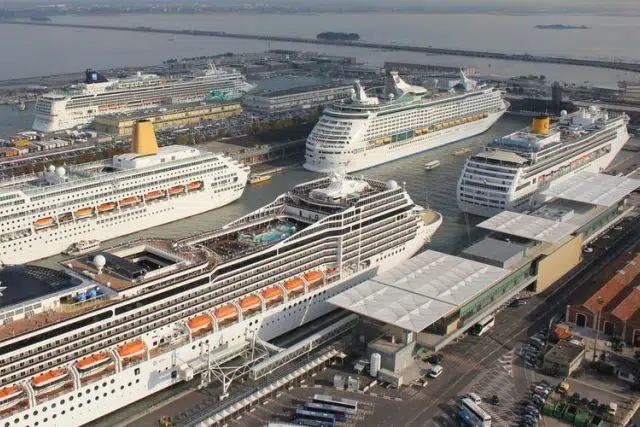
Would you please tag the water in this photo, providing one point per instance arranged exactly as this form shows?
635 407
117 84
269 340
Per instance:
12 120
435 189
43 50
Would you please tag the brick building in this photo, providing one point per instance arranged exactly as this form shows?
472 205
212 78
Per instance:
615 307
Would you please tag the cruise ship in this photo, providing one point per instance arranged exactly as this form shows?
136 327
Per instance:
511 170
42 214
98 96
369 129
121 324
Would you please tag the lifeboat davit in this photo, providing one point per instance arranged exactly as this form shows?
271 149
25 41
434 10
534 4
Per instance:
43 222
199 322
132 349
154 195
9 396
250 303
49 379
226 312
294 285
106 207
313 276
93 362
129 201
83 213
271 294
176 190
194 185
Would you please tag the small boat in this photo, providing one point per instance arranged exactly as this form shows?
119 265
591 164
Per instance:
82 247
106 207
462 152
432 165
294 285
196 185
154 195
199 322
10 396
250 303
43 222
83 213
226 312
271 294
22 106
49 380
313 277
129 201
93 363
258 179
176 190
132 349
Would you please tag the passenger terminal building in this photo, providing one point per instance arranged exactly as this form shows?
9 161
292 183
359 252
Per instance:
434 297
294 100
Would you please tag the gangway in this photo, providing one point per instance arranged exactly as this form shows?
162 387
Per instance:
330 333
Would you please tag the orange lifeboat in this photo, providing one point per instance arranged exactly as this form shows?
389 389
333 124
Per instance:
83 213
8 396
272 293
154 195
226 312
201 321
250 303
49 377
194 185
92 362
176 190
106 207
129 201
43 222
294 285
313 276
131 349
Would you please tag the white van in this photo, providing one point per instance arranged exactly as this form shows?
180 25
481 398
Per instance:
476 399
612 409
436 371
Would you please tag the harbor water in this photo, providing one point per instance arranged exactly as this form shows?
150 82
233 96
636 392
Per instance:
435 189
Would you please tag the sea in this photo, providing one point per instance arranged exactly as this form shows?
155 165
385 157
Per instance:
35 51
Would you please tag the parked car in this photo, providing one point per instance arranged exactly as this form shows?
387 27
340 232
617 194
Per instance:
518 303
538 400
594 403
435 359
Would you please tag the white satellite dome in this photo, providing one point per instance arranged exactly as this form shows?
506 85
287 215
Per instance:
99 261
51 168
592 109
392 184
563 113
61 171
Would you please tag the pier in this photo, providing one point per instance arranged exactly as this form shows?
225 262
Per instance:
616 65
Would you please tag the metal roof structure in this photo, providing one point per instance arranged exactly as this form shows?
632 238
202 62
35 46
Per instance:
593 188
505 156
529 226
420 291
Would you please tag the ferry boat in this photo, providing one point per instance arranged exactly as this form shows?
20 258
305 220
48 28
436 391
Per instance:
462 151
82 247
512 170
258 179
432 165
370 129
79 105
157 310
44 213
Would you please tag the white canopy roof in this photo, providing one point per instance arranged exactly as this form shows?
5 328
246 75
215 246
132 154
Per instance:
420 291
529 226
593 188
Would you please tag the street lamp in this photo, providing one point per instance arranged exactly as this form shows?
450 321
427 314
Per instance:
600 302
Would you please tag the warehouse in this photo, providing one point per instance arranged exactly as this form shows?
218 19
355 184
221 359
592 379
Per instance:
294 100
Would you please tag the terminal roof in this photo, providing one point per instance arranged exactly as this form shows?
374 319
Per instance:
529 226
593 188
420 291
504 156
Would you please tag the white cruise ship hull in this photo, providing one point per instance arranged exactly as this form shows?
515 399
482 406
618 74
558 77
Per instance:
390 152
598 165
107 226
151 376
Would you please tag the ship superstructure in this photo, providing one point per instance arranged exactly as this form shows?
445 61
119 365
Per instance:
98 96
511 170
371 129
42 214
129 321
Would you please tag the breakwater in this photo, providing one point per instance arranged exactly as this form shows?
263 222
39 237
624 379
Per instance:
524 57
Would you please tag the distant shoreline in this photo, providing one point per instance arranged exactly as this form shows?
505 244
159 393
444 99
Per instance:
562 27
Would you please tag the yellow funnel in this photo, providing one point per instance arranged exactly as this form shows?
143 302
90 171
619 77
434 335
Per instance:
144 138
540 124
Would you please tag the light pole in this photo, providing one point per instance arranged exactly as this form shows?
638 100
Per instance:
600 302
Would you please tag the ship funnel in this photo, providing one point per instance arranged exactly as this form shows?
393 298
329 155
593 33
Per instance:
540 124
144 138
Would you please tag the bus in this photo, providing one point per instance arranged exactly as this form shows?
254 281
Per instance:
481 417
339 412
483 326
336 401
322 417
465 419
311 423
